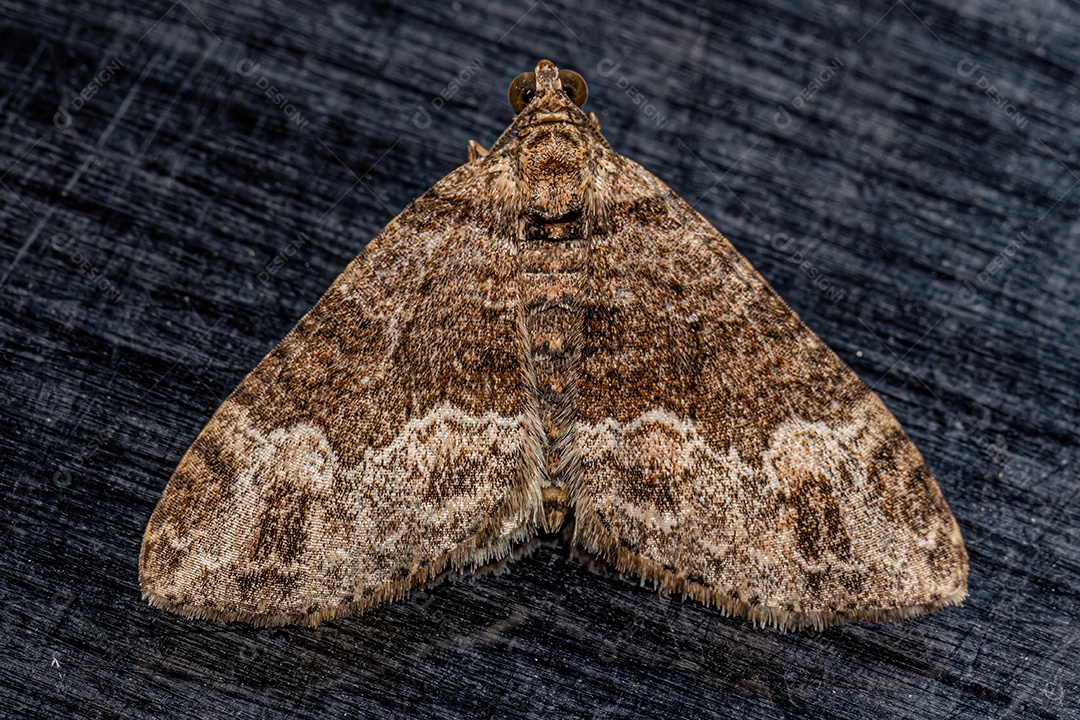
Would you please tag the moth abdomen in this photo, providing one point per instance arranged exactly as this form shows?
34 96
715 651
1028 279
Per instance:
552 275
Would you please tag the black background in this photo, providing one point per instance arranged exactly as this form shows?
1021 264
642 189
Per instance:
905 174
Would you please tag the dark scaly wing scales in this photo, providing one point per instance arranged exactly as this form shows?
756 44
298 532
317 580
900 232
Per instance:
727 453
383 441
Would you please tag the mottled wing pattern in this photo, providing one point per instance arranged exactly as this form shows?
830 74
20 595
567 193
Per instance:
383 441
727 453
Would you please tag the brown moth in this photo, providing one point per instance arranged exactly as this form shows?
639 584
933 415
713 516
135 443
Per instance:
551 339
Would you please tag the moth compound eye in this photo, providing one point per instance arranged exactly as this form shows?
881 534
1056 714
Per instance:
522 91
574 86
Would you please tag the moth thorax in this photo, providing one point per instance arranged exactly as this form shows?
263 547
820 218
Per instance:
554 172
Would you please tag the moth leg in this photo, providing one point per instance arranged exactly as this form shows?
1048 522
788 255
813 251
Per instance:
594 122
476 151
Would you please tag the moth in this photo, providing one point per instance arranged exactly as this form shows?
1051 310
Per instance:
550 340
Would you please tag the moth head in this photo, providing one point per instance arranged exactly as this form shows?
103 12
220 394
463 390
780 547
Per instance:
547 88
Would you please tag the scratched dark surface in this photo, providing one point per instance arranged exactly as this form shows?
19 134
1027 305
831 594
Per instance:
906 175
